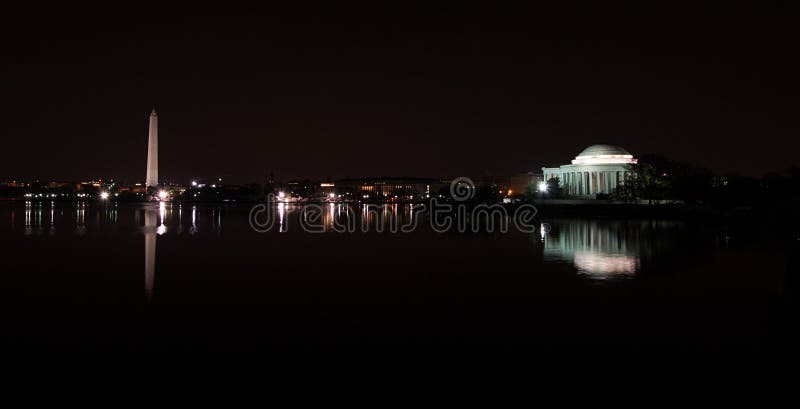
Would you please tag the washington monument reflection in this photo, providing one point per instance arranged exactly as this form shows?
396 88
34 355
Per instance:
153 226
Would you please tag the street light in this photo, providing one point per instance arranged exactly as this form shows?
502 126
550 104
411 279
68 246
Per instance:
543 187
104 195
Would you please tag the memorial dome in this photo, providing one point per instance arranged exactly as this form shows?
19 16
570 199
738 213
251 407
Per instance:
603 154
600 149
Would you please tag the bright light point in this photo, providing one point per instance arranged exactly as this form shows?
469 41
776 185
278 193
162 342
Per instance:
194 183
104 195
332 195
281 195
542 187
162 194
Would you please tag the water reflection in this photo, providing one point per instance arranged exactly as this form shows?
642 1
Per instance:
34 218
193 229
179 229
282 224
167 218
80 217
162 211
85 217
52 229
216 220
597 249
28 229
150 232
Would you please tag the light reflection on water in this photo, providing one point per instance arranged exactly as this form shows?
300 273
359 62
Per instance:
604 249
597 249
190 281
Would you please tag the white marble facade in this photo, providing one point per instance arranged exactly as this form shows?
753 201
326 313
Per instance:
598 169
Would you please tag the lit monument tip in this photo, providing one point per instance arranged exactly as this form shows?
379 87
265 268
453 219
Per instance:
152 151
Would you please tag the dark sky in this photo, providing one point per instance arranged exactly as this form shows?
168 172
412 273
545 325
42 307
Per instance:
448 91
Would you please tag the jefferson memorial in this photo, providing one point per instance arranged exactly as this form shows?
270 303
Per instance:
598 169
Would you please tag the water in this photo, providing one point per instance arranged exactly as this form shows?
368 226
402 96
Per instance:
150 275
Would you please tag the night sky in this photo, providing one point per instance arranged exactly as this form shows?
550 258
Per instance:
365 91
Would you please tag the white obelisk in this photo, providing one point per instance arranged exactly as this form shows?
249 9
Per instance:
152 152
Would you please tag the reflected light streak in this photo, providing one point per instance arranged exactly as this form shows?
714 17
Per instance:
193 230
281 214
162 210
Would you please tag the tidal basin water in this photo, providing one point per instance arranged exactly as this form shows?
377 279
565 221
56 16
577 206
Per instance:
178 274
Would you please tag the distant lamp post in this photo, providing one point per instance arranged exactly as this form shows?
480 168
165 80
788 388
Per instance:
104 195
162 194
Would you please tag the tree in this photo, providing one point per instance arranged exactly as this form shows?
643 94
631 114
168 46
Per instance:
658 178
652 177
553 188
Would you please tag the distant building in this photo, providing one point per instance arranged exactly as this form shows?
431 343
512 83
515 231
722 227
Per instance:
327 190
57 185
139 188
598 169
384 188
13 183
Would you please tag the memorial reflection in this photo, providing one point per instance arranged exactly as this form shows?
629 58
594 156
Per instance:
153 226
597 249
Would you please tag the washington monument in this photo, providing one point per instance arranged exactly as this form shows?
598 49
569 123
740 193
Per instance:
152 152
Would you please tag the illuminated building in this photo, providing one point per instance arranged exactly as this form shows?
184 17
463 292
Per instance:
327 190
406 188
12 183
598 169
